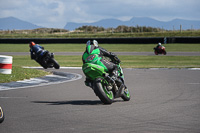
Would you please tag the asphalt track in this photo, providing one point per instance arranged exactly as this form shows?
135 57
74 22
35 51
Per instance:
118 53
163 101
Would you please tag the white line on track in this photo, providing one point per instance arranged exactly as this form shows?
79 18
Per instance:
40 82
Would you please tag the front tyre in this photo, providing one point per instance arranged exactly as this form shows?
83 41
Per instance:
156 53
55 63
126 95
101 91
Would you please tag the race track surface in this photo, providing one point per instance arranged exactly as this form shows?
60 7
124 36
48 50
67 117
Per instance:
163 101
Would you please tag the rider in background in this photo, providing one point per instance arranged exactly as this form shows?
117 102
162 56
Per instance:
36 51
112 67
159 46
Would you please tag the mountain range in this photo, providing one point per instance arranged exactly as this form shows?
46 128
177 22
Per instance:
11 23
140 21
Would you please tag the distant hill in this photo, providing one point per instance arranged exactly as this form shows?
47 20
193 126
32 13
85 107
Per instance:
140 21
11 23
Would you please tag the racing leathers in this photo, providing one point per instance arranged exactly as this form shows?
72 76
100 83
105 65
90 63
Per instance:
111 67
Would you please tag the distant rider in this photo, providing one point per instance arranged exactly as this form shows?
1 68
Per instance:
37 52
112 67
159 46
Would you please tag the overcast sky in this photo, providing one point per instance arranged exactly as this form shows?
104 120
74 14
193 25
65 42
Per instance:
56 13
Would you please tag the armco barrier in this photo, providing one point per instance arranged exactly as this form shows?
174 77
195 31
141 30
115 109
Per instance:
142 40
5 64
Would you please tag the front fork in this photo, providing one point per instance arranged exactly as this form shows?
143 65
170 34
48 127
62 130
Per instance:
117 90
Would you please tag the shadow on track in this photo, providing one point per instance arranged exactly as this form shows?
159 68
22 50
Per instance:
75 102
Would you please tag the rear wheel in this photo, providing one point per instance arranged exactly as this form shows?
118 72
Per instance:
101 91
1 115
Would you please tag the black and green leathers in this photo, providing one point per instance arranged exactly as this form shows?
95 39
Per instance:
93 52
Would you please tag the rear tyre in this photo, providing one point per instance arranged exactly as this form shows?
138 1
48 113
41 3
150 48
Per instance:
101 91
1 115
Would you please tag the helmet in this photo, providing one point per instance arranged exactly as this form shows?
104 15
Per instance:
31 44
159 44
94 42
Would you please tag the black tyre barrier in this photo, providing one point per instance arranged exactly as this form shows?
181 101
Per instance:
142 40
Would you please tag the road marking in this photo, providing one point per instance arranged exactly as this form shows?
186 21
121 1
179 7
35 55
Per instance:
35 82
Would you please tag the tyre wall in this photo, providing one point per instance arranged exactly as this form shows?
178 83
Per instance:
148 40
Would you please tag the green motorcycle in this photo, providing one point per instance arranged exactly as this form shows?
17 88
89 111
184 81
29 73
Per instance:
104 86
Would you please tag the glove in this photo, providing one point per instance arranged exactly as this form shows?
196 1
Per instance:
116 60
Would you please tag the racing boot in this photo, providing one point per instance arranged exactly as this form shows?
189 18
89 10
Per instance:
88 82
120 91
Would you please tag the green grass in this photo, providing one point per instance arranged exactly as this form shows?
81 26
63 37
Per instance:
127 61
109 47
160 61
101 34
19 73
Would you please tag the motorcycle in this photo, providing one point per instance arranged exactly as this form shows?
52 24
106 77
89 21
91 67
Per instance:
104 86
48 61
1 115
160 50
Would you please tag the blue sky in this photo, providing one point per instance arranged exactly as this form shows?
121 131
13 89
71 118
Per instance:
56 13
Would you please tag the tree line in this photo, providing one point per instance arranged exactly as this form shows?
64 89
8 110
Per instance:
119 29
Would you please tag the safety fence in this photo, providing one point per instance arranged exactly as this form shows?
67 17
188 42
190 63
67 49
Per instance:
142 40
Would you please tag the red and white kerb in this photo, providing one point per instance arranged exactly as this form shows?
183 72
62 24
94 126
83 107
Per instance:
5 64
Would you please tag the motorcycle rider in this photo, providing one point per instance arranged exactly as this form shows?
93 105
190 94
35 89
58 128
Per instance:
112 67
159 46
37 52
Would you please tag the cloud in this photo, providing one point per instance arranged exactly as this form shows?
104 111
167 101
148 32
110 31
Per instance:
56 13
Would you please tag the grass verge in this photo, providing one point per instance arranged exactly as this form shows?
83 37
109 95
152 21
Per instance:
19 73
127 61
109 47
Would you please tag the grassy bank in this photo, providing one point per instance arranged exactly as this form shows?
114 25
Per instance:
109 47
127 61
17 34
19 73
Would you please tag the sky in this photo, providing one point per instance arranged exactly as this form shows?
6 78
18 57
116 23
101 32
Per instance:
56 13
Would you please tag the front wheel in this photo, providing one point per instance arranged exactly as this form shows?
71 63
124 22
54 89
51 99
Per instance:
55 63
101 91
126 95
1 115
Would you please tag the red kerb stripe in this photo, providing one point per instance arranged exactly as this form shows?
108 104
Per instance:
5 66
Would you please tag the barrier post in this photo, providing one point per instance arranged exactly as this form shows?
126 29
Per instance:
6 64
